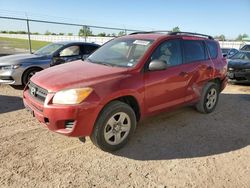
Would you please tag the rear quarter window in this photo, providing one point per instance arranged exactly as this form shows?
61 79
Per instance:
212 48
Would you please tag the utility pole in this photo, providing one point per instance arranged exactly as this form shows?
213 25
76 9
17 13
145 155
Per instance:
28 28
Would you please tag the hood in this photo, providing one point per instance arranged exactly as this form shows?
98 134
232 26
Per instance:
75 74
20 58
238 63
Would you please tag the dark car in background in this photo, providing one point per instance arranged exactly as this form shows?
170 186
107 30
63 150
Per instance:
228 52
18 69
239 66
246 47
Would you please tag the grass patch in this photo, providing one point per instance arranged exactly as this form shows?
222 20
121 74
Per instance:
22 43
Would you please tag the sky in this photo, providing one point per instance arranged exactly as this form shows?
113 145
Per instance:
213 17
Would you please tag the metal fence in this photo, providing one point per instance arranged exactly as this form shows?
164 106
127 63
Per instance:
29 28
27 24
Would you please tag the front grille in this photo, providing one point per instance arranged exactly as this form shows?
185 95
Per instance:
6 78
37 92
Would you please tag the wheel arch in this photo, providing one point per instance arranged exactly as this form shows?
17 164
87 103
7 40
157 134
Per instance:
218 81
28 69
129 100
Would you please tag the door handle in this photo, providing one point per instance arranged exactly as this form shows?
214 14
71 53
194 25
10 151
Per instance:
184 74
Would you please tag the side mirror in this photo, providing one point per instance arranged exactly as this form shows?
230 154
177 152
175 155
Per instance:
224 55
157 65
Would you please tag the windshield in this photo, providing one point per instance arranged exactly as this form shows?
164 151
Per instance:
241 55
121 52
49 49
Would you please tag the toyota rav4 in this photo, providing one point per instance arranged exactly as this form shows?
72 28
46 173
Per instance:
124 81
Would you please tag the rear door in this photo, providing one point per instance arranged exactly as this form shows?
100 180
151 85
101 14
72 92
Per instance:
166 88
199 66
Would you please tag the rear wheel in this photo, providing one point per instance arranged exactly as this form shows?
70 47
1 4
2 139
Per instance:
114 126
28 74
209 98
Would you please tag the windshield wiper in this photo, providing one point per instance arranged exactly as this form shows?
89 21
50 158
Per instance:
100 62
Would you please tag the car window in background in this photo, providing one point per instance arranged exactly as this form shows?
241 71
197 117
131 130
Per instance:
223 50
246 47
234 51
121 52
169 52
70 51
88 49
213 49
194 51
241 55
49 49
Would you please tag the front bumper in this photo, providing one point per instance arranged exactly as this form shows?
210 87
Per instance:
239 75
57 117
11 76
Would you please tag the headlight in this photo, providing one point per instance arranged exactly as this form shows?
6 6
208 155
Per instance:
8 67
72 96
231 69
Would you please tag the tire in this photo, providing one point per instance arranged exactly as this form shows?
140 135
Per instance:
28 74
209 98
114 126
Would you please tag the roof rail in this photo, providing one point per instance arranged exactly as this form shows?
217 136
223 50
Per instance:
148 32
191 34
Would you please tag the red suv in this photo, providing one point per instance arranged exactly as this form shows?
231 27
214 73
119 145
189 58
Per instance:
125 80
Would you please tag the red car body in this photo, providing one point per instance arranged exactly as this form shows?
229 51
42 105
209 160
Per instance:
151 92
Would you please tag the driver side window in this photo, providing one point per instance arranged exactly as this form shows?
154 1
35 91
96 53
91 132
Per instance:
70 51
169 52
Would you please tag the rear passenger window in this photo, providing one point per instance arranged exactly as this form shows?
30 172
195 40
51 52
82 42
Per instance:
213 49
194 51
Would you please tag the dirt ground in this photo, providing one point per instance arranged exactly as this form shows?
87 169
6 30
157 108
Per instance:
178 149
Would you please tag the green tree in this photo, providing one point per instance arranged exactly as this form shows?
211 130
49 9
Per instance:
85 32
121 33
240 37
103 34
70 34
61 33
220 37
47 33
176 29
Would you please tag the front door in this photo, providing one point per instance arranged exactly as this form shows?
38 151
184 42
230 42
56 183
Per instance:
166 88
68 54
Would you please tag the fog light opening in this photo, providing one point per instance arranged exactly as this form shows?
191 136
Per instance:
46 120
69 124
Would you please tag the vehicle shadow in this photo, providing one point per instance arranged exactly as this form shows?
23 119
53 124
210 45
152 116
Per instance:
185 133
20 87
242 83
10 103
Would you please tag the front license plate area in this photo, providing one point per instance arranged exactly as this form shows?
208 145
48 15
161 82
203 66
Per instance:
231 75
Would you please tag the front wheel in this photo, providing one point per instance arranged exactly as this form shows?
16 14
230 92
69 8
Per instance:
28 74
209 98
114 126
